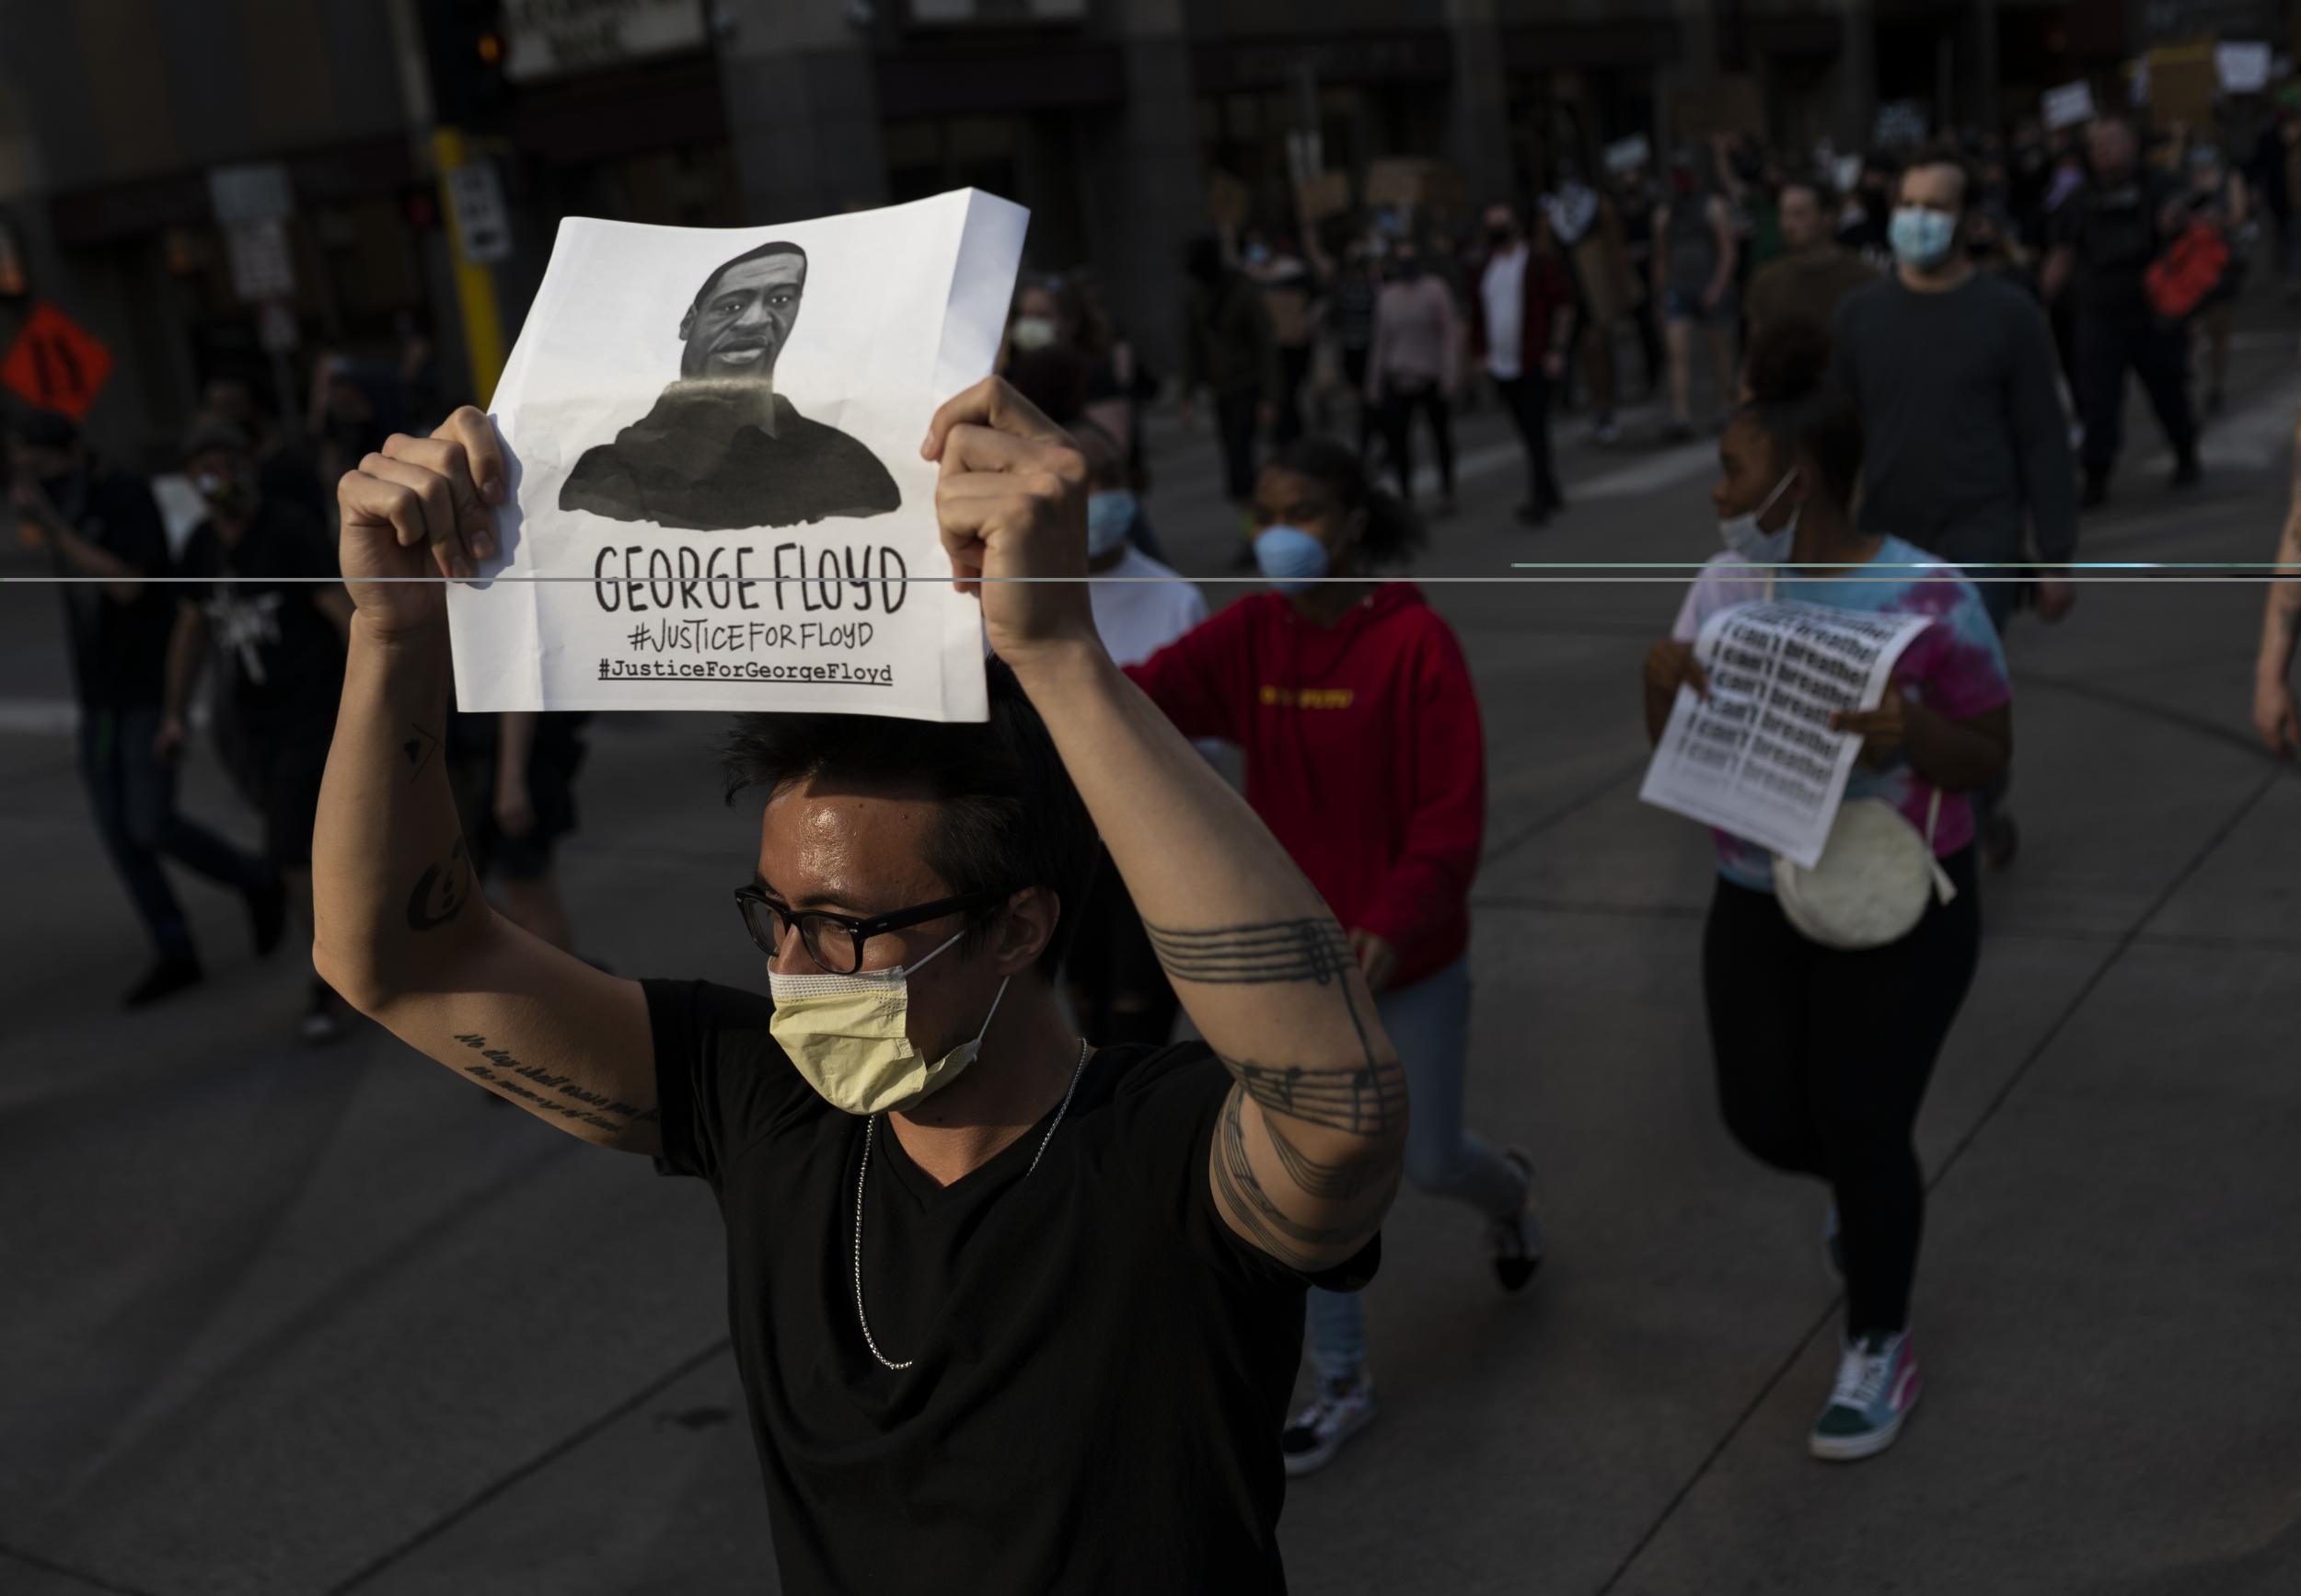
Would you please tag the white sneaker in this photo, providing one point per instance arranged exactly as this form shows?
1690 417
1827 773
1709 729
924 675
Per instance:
1877 1384
1334 1416
1514 1240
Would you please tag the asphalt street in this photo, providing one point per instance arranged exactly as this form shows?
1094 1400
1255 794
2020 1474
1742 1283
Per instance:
285 1321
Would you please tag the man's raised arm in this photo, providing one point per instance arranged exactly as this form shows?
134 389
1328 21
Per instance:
403 928
1306 1153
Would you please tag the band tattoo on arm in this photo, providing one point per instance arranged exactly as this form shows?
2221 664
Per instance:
544 1091
1298 1245
1363 1099
441 891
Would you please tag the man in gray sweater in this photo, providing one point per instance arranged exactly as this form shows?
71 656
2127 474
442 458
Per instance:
1967 446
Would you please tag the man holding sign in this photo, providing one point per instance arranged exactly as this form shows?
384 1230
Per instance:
1012 1315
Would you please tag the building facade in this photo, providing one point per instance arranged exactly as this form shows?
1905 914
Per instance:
1127 126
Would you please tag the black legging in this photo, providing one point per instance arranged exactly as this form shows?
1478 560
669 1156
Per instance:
1398 408
1823 1060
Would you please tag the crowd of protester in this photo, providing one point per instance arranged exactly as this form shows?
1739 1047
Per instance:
1891 367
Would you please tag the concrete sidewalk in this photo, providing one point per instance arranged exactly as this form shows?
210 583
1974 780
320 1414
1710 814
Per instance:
330 1323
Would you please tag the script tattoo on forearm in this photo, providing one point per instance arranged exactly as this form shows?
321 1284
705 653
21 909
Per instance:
441 891
544 1091
1296 1244
1364 1099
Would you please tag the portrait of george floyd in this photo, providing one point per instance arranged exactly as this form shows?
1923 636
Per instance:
722 449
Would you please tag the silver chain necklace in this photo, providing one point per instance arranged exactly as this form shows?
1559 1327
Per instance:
870 1127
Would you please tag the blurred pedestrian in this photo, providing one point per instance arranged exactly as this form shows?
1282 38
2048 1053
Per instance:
1634 202
264 592
1118 385
1965 445
2276 717
1816 273
2219 197
1822 1055
1587 232
1868 212
1290 293
1350 307
2124 217
1232 353
1415 367
2277 176
287 471
514 779
1355 708
1118 993
1521 322
106 540
1693 278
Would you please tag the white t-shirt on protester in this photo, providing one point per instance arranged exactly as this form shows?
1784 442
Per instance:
1135 620
1503 289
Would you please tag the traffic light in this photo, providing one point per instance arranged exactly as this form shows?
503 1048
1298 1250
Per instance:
464 48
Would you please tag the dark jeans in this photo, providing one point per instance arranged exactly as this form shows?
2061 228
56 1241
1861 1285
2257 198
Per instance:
132 795
1398 412
2158 356
1235 426
1354 373
1527 399
1823 1060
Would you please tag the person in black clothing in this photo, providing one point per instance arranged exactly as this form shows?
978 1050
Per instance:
2105 237
1011 1313
284 470
1350 317
1232 351
722 449
267 601
104 536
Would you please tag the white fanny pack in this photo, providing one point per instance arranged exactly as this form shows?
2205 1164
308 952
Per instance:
1870 884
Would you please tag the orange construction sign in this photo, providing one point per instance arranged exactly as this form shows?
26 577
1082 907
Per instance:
57 364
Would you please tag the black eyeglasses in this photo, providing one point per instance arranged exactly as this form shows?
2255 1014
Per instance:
835 942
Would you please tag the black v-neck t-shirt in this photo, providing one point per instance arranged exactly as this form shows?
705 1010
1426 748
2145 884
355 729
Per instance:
1100 1367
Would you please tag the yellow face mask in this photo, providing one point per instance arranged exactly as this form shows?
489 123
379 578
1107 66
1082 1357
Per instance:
847 1035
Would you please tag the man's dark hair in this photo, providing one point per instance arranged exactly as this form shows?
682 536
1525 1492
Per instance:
47 430
1947 155
775 247
1825 195
1009 817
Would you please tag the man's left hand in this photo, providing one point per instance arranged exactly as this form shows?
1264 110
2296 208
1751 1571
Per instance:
1012 501
1882 730
1377 961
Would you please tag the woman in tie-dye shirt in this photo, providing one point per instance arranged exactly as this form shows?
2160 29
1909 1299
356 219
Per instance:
1823 1056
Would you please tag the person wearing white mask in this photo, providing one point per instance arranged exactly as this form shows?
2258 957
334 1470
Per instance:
1966 446
1823 1056
1010 1313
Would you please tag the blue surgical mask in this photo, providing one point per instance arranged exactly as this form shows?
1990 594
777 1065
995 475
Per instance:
1290 557
1921 238
1746 540
1109 515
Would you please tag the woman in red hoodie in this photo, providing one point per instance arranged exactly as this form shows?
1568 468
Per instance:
1354 706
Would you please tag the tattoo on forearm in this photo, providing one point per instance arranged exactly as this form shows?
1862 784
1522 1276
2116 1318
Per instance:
441 891
1298 1245
417 749
540 1087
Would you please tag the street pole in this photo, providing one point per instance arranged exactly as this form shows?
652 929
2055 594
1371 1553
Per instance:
475 283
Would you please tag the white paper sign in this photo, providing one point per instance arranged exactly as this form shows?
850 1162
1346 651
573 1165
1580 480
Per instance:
2068 105
716 476
1757 758
1633 151
2243 67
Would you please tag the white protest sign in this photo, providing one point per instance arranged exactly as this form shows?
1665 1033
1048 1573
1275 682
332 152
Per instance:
2068 105
1757 758
1635 151
718 501
2243 67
